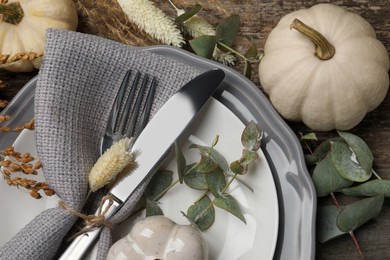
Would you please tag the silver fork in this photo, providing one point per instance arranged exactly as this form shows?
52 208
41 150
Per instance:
120 126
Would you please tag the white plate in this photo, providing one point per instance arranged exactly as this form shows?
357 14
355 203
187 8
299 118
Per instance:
20 207
228 238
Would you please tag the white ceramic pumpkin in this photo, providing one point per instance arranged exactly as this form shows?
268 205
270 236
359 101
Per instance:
23 24
158 237
329 77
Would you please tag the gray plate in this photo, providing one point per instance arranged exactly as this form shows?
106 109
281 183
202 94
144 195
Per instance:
296 194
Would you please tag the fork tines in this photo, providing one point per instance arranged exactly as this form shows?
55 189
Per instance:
133 106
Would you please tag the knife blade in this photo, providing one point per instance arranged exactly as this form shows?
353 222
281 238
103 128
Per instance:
152 145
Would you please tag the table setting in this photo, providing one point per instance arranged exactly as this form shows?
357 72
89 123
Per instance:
72 89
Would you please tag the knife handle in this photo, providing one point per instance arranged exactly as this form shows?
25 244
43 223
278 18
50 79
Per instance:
79 247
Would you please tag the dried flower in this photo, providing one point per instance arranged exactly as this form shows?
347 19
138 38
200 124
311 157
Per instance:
152 20
197 26
17 163
111 163
225 58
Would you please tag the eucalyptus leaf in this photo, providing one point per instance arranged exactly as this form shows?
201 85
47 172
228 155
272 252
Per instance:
227 30
326 178
310 160
322 150
309 136
187 15
216 181
152 208
204 45
206 164
161 180
195 179
343 159
180 162
228 202
202 213
248 157
251 137
251 53
214 155
356 214
326 223
370 188
238 168
363 153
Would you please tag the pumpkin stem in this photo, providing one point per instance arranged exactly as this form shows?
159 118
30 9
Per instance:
12 13
324 49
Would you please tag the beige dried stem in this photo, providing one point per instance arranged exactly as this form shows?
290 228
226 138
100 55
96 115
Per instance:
106 19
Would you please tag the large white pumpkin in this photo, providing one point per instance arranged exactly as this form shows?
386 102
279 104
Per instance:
328 78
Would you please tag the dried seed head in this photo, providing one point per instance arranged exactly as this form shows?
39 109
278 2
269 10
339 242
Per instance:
35 194
38 165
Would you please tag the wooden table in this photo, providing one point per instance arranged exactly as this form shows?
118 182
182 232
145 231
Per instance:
257 20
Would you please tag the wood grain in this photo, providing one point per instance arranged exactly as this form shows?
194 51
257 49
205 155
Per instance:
257 20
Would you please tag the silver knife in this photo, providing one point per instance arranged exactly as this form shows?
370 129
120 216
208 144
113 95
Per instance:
152 145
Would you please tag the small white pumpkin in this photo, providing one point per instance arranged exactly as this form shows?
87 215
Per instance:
23 25
158 237
332 83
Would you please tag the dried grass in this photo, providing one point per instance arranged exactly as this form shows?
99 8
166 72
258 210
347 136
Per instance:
105 18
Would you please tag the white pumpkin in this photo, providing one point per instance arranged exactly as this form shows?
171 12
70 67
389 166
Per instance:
23 25
158 237
329 77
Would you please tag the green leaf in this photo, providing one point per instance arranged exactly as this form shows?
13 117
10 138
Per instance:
356 214
195 179
204 45
180 162
228 203
187 15
343 160
326 223
206 164
227 30
251 53
363 153
214 155
202 213
216 181
251 137
152 208
309 136
327 179
248 157
161 180
322 150
238 168
370 188
247 70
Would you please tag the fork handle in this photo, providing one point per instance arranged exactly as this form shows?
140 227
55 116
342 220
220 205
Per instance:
80 246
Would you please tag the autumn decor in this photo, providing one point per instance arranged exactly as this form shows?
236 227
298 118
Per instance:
343 166
16 168
212 175
23 27
325 67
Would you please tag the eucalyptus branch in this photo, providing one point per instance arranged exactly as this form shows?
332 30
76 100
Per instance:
161 194
239 54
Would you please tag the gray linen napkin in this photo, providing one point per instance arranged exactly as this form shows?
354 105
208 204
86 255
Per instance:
77 84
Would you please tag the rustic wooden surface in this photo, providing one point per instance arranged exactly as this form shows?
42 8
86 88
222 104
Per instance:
257 20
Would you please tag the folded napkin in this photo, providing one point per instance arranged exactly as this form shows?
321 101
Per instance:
77 85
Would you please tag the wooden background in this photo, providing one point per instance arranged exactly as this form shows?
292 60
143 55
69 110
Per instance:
257 20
